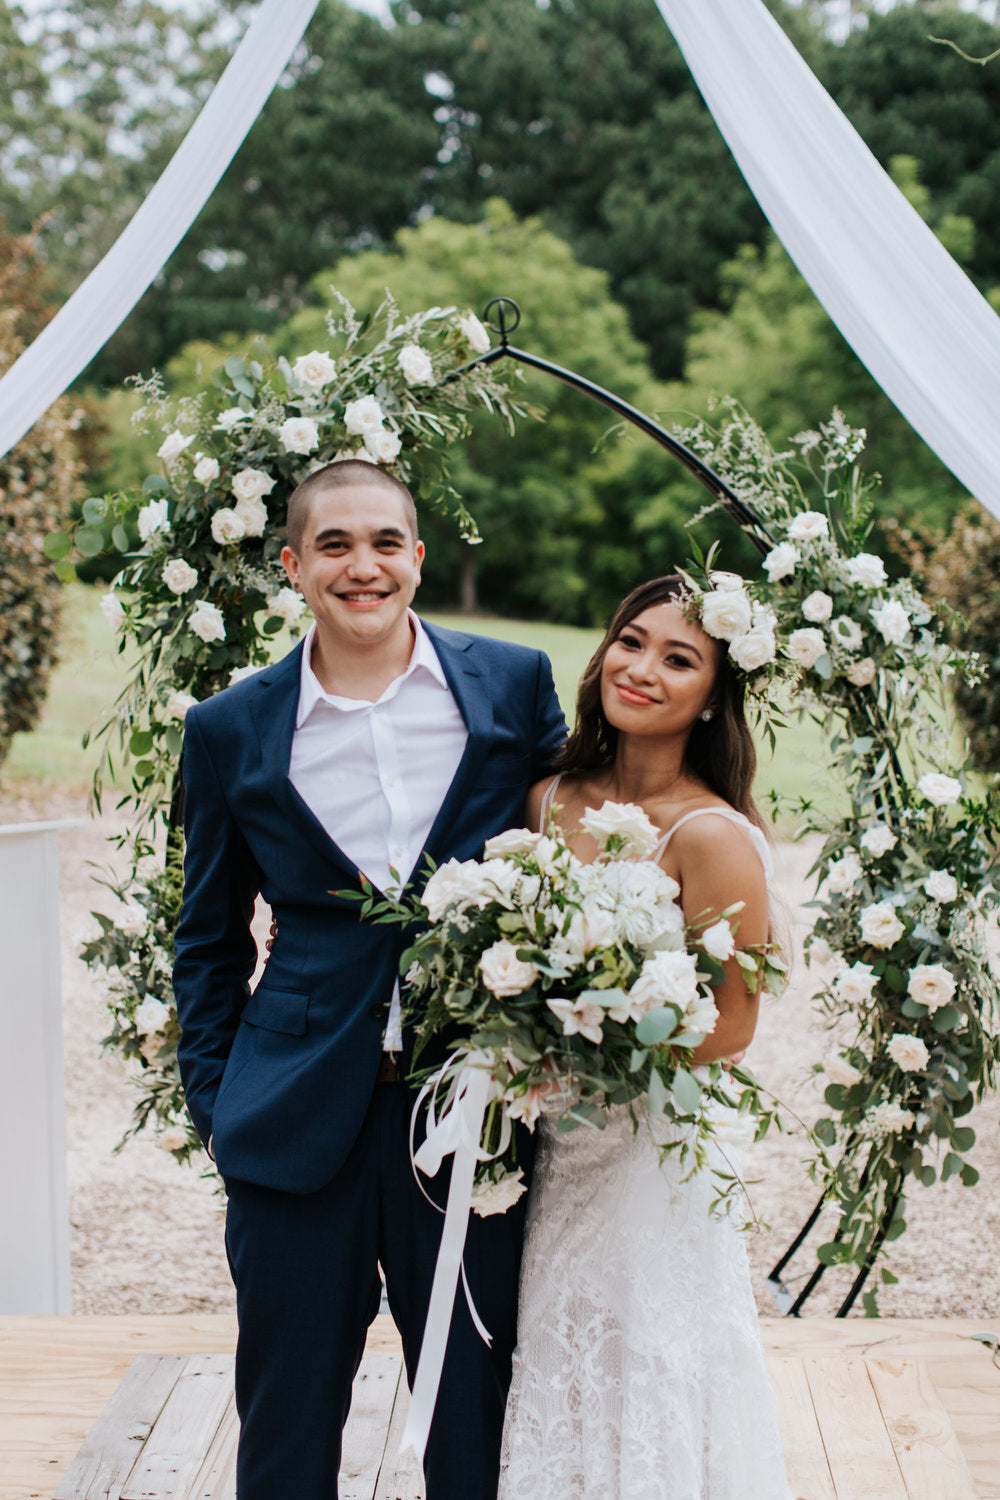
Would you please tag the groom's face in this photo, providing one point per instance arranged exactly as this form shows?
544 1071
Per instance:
359 565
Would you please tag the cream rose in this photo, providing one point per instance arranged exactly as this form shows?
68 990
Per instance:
299 435
253 514
909 1053
382 444
227 527
880 925
474 331
806 646
839 1071
941 886
151 1016
206 470
943 791
496 1197
878 839
252 484
668 978
780 561
855 985
753 650
817 607
112 610
808 526
931 985
286 604
625 822
153 519
513 841
717 941
314 370
362 416
503 972
453 884
173 446
230 418
865 571
861 673
179 576
178 703
819 952
415 364
132 919
892 622
207 622
725 613
174 1138
843 874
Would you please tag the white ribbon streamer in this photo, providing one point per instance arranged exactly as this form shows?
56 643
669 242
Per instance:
455 1131
84 324
903 304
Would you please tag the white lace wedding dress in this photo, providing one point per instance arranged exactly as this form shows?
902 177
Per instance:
639 1372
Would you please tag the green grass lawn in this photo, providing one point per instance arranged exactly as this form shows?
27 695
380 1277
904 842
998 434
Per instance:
91 673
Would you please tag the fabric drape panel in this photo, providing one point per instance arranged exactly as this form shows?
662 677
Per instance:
910 313
83 326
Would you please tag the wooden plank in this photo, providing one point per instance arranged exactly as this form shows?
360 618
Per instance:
175 1450
217 1477
926 1447
372 1397
806 1463
115 1441
401 1478
858 1448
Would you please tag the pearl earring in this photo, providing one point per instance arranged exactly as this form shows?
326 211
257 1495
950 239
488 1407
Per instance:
707 713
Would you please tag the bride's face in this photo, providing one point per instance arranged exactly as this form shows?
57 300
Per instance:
658 673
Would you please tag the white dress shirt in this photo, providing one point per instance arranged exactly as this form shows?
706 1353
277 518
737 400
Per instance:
375 774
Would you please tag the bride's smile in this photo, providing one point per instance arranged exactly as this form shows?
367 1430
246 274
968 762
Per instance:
658 673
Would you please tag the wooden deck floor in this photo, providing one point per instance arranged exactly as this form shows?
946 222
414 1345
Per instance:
58 1374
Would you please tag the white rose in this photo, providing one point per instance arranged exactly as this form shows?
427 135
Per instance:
206 469
231 418
173 446
753 650
382 444
727 583
931 985
207 622
362 416
153 518
240 674
878 839
808 526
132 919
940 885
528 890
855 985
513 841
817 607
503 972
861 673
112 610
701 1013
314 370
668 978
909 1053
806 646
838 1070
892 621
474 331
843 874
941 790
498 879
174 1138
581 1017
251 484
151 1016
820 951
717 941
847 632
299 435
763 617
453 884
780 561
600 930
496 1197
865 571
624 821
888 1118
725 613
227 527
179 576
253 514
286 604
178 703
415 364
880 926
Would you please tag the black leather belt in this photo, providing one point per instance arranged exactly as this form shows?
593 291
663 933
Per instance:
389 1070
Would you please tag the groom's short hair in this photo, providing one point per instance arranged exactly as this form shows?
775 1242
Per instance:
337 476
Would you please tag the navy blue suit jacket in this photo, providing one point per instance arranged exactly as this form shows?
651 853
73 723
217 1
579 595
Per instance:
282 1078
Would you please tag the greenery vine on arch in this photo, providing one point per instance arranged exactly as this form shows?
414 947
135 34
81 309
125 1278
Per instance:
906 873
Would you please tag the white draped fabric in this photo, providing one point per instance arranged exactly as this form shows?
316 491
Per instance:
906 308
83 326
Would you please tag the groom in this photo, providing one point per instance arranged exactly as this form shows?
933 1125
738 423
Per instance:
376 742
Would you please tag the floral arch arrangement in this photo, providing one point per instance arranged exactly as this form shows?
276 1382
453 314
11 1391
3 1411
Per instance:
905 875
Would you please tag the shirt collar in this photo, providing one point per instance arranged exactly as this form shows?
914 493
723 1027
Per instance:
423 657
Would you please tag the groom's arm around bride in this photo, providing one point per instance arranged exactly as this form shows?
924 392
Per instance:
376 742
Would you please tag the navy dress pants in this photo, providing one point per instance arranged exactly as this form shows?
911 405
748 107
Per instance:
307 1286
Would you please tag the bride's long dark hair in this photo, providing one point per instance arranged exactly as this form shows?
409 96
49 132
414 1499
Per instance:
720 752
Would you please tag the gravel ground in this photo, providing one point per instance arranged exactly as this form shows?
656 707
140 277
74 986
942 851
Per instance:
147 1234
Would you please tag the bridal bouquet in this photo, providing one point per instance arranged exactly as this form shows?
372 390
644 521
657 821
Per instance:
574 987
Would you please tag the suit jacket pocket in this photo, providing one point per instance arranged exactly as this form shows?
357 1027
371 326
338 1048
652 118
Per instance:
278 1010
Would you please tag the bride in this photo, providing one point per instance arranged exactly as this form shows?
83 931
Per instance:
639 1372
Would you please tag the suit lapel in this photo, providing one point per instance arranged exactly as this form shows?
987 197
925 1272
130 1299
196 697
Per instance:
475 704
273 710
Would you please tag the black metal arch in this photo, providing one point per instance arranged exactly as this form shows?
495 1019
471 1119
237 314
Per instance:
508 316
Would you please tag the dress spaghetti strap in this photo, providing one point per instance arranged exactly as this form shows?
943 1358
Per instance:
756 836
548 797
